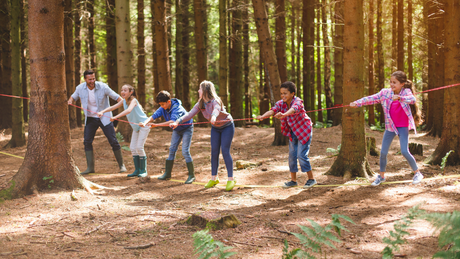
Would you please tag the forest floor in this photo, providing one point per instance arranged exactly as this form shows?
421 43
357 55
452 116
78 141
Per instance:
131 212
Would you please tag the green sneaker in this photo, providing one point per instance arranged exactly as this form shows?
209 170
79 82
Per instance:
230 185
211 183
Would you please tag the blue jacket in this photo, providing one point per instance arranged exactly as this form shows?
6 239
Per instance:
172 114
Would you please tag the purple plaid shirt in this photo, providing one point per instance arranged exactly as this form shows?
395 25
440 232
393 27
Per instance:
299 122
385 97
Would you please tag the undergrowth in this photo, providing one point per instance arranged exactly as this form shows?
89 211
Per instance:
207 247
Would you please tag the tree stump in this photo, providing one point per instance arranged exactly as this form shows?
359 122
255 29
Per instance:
416 149
213 221
371 148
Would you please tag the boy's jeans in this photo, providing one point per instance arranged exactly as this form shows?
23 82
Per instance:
299 151
186 136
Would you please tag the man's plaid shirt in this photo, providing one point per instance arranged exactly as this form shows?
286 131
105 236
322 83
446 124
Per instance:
299 122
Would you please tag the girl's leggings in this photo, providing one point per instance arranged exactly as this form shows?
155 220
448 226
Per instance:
221 138
388 137
138 140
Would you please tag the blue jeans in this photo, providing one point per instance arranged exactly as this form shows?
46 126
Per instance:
300 151
186 136
222 139
388 137
92 124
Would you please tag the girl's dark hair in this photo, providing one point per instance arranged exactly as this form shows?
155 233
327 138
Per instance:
209 92
402 78
290 86
162 97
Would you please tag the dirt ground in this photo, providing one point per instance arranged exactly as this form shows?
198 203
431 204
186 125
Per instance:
132 213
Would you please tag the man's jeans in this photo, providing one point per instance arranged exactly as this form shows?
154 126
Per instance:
92 124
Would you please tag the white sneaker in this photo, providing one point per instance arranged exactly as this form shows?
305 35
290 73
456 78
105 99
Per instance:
417 178
378 181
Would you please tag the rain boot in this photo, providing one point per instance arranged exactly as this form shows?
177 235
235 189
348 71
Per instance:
89 162
136 165
119 157
191 173
168 169
142 166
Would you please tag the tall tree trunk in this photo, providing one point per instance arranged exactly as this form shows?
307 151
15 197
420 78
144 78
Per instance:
264 92
186 54
380 61
450 139
25 93
48 150
371 120
124 55
410 68
236 64
18 137
269 56
298 81
319 88
352 161
401 35
140 53
111 42
247 94
179 48
293 71
327 61
162 52
431 9
438 104
223 57
156 84
338 62
77 56
200 40
280 35
308 16
5 74
69 60
394 35
91 39
312 61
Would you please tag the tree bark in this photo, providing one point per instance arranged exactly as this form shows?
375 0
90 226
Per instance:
18 137
124 55
308 16
371 118
327 61
380 61
178 89
450 139
24 80
410 69
223 57
69 60
280 35
156 84
6 119
247 94
186 54
111 42
162 52
77 56
338 62
401 35
263 32
352 160
140 53
91 40
394 35
200 41
236 64
48 162
293 72
319 88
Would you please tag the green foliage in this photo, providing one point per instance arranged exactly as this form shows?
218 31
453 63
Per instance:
449 226
317 237
5 194
120 137
46 178
396 238
378 127
295 253
444 160
318 124
207 247
334 151
126 148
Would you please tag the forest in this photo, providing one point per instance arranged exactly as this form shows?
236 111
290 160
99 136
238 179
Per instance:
334 51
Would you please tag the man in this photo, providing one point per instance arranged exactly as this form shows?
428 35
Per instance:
94 97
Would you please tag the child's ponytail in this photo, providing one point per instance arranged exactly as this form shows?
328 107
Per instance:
415 109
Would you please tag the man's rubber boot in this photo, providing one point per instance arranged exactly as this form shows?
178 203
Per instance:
136 165
142 166
119 157
89 162
168 169
191 173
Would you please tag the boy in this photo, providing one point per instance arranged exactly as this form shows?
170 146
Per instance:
171 110
296 125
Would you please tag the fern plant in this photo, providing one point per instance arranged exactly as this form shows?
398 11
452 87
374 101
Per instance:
317 237
207 247
334 151
396 238
444 160
448 225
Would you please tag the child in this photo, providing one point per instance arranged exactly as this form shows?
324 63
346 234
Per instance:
396 103
222 130
135 114
296 125
171 110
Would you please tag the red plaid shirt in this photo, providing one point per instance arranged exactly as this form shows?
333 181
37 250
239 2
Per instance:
299 122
